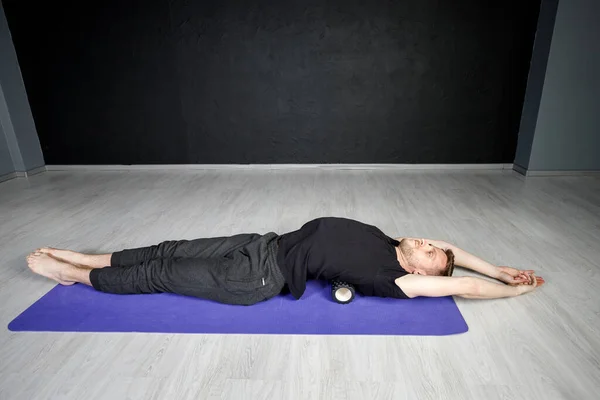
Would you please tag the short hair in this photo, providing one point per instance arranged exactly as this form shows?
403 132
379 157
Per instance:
449 268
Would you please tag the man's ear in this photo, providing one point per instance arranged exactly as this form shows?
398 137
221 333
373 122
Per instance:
419 272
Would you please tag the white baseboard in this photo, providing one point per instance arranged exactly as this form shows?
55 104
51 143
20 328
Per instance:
562 173
442 167
35 171
22 174
7 177
520 169
527 172
400 167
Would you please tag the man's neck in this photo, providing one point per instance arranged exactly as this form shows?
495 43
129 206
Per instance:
403 261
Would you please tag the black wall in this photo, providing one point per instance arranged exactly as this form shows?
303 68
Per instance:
158 81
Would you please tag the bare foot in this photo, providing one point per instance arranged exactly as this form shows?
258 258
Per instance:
71 257
43 264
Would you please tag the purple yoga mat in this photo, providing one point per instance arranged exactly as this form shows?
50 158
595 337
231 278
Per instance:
79 308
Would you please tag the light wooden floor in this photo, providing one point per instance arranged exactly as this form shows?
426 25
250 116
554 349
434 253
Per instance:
544 345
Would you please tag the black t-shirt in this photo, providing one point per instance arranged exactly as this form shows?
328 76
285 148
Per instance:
340 248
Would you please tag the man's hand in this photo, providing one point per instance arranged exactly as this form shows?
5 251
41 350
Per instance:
536 282
513 277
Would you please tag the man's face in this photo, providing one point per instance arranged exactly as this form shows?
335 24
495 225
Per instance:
423 257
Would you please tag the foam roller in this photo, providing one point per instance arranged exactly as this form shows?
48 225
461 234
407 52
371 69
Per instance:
342 292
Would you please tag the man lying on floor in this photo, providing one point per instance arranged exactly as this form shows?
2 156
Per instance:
249 268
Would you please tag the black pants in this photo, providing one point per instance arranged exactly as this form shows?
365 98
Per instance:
240 269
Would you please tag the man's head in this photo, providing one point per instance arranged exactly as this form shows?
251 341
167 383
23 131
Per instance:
426 259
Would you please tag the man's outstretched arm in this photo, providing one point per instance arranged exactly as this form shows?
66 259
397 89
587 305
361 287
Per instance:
467 287
472 262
